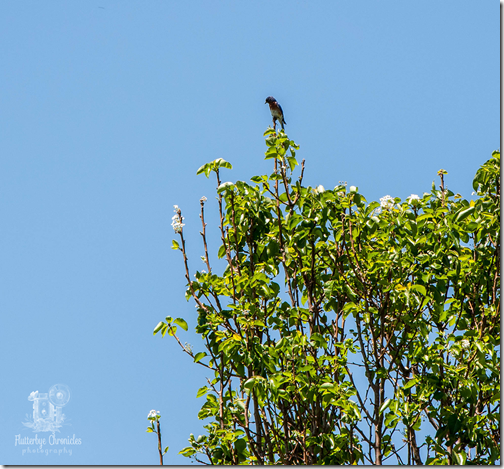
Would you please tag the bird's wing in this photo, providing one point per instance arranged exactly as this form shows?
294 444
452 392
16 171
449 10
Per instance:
281 110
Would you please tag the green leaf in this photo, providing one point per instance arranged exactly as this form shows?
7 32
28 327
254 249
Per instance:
385 405
222 252
327 386
391 420
202 391
271 141
292 162
224 186
460 457
410 383
222 163
464 214
420 289
271 156
417 425
175 245
181 323
271 152
381 372
249 384
158 327
240 447
425 216
188 451
203 169
199 356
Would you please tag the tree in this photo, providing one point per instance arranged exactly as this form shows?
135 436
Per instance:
342 332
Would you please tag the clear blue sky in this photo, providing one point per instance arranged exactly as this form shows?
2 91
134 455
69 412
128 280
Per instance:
107 109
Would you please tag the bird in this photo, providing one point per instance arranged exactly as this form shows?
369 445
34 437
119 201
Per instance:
276 111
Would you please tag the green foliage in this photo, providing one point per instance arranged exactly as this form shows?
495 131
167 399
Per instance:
342 332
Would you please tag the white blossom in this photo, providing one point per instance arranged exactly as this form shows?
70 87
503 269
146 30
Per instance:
177 224
387 202
465 343
153 414
413 199
203 199
177 220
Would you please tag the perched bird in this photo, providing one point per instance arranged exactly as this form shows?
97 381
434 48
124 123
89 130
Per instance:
276 111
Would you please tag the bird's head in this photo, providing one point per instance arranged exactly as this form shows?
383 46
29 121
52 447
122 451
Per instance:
270 100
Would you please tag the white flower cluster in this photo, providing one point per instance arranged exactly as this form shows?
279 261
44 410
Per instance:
465 344
413 197
177 220
153 414
387 202
203 199
341 193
